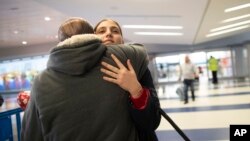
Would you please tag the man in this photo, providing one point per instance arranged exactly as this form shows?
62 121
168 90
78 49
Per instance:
213 67
188 73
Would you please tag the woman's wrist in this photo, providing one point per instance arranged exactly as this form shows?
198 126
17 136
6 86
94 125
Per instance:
136 91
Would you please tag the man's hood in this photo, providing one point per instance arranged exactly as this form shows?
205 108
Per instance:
76 55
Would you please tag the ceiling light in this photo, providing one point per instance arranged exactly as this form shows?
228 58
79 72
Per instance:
160 33
227 31
16 32
152 27
24 42
229 26
236 18
237 7
47 18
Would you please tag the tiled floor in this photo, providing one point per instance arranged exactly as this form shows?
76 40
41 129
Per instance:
208 118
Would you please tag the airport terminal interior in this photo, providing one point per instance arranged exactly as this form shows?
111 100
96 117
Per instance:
216 107
208 118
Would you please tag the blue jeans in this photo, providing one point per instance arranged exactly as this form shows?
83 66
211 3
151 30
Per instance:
188 83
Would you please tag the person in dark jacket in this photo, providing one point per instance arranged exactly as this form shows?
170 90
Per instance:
70 101
147 117
1 100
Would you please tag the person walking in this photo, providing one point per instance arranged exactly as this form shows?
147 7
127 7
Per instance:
213 67
187 73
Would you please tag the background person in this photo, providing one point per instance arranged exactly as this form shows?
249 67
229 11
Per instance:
188 73
1 100
147 118
70 101
213 67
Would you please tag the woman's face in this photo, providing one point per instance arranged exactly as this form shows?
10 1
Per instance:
109 32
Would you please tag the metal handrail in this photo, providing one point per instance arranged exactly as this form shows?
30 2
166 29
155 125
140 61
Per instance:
16 112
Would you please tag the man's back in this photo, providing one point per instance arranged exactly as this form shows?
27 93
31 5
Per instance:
73 102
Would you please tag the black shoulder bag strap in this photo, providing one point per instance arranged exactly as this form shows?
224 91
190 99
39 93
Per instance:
174 125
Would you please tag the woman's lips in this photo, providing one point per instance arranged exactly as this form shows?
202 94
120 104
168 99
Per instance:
108 41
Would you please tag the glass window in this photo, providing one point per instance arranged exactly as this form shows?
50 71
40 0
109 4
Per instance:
167 68
18 74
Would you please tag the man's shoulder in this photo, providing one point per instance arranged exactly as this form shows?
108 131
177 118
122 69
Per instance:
127 49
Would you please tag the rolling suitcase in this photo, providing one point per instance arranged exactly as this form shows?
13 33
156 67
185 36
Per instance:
180 92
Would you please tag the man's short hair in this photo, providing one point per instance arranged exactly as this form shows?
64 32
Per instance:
74 26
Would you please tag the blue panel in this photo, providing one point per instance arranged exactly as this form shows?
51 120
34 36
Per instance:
6 129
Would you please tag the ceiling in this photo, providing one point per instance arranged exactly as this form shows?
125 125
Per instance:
24 21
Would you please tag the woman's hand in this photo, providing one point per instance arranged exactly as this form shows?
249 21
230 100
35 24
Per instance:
125 78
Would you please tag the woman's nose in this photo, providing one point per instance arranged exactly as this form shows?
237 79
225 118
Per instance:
108 33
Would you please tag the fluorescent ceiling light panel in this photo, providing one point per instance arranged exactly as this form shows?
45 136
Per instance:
227 31
24 42
152 27
230 26
236 18
47 18
160 33
237 7
16 32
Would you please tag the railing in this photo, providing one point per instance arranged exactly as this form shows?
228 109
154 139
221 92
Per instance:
6 132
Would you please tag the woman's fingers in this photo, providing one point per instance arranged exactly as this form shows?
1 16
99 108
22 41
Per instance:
109 79
110 67
109 73
130 67
117 61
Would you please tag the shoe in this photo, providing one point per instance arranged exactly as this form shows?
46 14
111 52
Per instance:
185 102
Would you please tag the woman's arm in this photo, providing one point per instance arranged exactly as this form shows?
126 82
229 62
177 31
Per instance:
153 104
124 77
148 118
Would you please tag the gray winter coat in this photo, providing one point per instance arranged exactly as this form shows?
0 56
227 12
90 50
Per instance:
70 101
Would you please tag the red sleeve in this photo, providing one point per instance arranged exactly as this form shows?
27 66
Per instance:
141 102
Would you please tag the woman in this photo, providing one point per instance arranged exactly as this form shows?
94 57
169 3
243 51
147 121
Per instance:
146 117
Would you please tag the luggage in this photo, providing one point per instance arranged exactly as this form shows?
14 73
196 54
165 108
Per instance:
180 92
